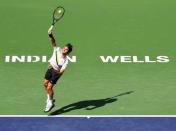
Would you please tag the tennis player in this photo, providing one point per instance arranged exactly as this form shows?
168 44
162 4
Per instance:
56 68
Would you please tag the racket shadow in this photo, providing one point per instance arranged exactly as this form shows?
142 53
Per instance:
89 104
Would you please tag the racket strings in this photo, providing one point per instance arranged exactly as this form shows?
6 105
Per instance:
58 13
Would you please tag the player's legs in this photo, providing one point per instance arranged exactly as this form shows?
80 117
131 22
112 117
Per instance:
49 104
48 76
50 91
45 84
51 78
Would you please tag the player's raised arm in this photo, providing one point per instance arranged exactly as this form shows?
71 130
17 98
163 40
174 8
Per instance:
51 37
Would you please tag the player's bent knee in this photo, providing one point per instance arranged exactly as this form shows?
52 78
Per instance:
49 87
45 84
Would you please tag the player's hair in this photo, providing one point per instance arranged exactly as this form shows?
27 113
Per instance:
70 47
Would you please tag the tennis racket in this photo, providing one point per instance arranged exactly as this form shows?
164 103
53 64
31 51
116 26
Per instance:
58 14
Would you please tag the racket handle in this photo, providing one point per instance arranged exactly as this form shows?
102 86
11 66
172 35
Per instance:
50 29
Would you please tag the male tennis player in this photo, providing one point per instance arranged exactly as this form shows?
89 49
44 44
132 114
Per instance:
56 68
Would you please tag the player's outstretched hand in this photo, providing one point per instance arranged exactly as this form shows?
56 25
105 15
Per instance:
50 29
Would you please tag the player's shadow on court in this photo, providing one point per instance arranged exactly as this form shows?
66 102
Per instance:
88 104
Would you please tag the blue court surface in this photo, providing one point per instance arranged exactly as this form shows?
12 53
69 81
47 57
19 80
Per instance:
85 124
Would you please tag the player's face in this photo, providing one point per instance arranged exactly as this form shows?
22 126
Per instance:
65 50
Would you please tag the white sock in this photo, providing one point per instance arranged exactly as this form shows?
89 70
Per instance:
50 101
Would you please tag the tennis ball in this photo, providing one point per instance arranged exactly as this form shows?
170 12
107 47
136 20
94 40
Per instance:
59 11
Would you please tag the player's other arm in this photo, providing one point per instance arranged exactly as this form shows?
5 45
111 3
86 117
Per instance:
51 37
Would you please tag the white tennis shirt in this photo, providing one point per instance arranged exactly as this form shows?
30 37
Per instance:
57 60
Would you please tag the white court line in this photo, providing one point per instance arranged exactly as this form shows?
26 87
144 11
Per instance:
89 116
